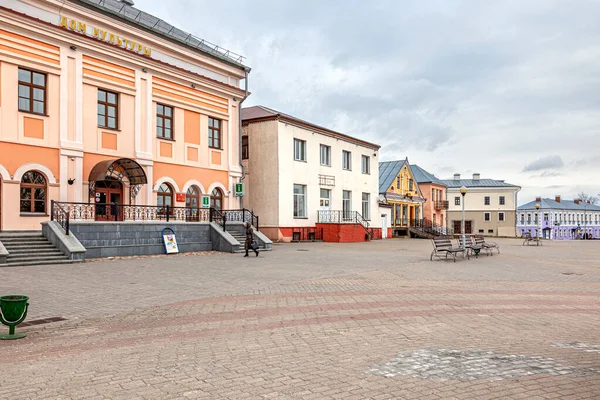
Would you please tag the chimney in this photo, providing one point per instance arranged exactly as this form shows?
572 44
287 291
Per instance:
557 198
476 177
538 199
577 201
457 177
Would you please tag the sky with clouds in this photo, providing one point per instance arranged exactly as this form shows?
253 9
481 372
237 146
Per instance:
508 89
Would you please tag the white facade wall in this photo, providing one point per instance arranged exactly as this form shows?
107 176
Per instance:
475 199
307 173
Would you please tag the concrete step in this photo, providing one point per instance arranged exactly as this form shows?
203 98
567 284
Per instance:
21 258
20 234
18 247
43 262
6 241
34 253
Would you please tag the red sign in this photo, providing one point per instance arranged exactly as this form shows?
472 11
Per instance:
180 197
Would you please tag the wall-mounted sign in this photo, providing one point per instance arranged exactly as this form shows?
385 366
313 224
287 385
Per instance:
180 197
238 189
80 27
205 201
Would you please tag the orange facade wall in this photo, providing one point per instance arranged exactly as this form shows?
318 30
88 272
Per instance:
181 174
13 155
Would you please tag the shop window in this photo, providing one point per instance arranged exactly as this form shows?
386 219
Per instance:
32 91
33 193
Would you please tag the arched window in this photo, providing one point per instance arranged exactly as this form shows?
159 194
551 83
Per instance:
216 199
192 202
164 196
33 192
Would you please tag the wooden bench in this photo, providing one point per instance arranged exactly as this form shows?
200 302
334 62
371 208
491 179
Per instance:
487 246
528 239
443 245
471 245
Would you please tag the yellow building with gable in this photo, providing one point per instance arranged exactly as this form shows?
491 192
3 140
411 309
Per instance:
399 190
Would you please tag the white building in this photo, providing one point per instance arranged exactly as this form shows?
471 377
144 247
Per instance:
299 174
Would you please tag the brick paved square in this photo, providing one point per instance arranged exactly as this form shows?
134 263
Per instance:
367 320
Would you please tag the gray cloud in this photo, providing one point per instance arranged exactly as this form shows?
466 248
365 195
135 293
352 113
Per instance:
544 163
473 84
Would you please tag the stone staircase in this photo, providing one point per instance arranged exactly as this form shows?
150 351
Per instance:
31 248
241 237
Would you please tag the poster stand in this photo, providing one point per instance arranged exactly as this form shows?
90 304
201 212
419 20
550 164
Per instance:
170 241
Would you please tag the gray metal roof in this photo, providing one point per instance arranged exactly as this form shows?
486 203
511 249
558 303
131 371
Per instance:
157 26
451 183
550 204
389 170
422 176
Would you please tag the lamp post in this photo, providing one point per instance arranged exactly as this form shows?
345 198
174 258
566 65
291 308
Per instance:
463 191
537 225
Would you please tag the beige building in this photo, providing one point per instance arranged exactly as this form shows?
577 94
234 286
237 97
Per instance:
490 206
300 174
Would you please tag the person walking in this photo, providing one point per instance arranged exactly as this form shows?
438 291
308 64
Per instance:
249 239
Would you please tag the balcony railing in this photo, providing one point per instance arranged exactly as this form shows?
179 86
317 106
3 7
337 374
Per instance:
326 180
441 205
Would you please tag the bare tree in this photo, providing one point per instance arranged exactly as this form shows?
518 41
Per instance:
586 198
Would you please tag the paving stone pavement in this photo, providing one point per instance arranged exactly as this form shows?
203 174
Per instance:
363 321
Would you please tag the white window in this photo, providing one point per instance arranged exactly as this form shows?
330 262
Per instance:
366 164
501 216
325 155
325 198
502 200
487 217
346 203
299 201
346 160
299 150
366 206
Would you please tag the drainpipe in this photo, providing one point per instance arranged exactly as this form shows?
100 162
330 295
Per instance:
247 70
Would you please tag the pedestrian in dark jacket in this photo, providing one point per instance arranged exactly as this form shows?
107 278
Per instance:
249 239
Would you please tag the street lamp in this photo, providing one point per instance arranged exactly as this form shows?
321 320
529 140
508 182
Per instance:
463 191
537 207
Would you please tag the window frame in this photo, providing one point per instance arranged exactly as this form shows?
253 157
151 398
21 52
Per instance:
346 156
367 164
211 133
365 205
31 87
457 201
503 219
303 196
164 117
31 187
487 216
487 200
106 104
245 147
301 148
502 200
214 197
327 153
164 195
346 204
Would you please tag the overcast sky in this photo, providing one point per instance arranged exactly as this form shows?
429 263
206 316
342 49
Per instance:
509 89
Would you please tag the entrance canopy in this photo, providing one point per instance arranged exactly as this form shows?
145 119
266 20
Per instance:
119 169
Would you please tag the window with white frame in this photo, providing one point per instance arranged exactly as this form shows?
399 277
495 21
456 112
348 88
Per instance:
486 200
299 150
366 164
325 200
500 217
457 201
365 206
300 201
487 217
326 155
522 218
346 160
502 200
346 203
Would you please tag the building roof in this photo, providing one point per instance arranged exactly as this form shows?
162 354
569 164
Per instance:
264 113
546 204
423 176
155 25
476 183
389 170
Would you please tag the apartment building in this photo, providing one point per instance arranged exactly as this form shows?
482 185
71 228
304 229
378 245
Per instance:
490 206
308 182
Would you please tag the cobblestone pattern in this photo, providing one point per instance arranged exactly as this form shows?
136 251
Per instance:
445 364
593 348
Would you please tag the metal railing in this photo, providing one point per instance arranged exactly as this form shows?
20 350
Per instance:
326 180
428 226
218 217
242 215
60 215
342 217
441 205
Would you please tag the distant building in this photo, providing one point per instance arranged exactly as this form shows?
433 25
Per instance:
559 219
399 189
308 182
490 206
434 190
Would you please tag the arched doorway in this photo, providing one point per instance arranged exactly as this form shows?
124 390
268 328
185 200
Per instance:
108 196
0 204
216 199
192 203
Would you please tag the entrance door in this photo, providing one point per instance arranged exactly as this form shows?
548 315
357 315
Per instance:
325 206
108 197
383 226
347 205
